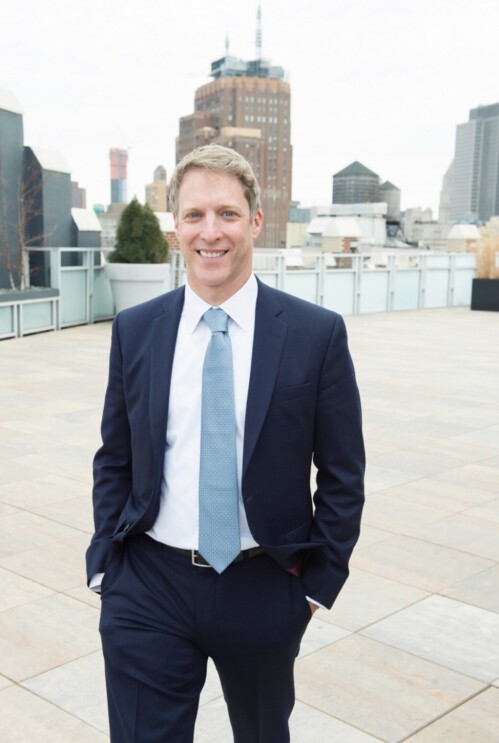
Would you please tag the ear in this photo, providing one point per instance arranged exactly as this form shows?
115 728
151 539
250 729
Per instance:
257 223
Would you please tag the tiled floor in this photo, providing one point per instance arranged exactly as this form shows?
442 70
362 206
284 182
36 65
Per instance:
410 650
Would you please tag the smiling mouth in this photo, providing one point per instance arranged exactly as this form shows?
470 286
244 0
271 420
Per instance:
212 253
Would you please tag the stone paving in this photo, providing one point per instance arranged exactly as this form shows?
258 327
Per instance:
410 651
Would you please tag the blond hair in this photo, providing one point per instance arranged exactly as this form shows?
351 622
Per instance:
221 159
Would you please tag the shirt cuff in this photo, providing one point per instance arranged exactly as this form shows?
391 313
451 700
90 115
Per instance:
95 582
313 601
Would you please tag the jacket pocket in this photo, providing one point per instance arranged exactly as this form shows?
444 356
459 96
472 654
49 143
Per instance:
111 570
291 393
298 535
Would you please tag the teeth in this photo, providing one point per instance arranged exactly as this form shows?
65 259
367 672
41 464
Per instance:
205 254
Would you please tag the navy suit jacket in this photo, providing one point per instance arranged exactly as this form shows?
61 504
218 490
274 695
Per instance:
303 405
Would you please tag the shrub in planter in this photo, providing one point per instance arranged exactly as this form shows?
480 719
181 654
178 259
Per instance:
138 268
139 237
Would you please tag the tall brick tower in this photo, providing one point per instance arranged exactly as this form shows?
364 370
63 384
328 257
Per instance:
247 107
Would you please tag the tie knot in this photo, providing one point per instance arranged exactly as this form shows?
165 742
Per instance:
216 319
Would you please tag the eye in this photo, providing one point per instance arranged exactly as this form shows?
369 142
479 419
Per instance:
230 213
193 214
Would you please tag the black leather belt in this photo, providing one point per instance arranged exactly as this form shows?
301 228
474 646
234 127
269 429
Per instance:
198 560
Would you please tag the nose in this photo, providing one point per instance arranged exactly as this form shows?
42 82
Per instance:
210 231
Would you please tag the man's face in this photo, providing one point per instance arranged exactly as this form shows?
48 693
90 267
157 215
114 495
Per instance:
216 233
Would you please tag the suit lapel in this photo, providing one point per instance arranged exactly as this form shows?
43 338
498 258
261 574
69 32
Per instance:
270 332
164 336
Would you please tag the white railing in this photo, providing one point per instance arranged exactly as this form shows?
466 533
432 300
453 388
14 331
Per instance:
80 293
85 292
27 312
380 281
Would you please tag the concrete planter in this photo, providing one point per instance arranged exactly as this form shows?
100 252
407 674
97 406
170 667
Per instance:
133 283
485 295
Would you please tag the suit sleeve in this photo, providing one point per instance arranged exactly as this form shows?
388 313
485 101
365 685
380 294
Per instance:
340 460
112 467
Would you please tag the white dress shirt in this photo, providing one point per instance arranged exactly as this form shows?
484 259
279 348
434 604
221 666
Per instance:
177 523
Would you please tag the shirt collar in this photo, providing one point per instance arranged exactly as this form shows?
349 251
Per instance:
240 307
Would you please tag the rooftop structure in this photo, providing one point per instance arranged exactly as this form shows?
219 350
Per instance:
363 224
51 160
9 102
86 228
356 169
234 67
390 194
355 184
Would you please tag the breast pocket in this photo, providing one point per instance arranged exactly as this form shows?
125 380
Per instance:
295 392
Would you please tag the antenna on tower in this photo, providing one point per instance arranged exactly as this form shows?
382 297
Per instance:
227 45
259 33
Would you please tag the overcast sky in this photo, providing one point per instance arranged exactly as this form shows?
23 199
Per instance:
381 82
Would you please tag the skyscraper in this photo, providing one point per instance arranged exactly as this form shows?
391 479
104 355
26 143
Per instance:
118 161
475 176
247 107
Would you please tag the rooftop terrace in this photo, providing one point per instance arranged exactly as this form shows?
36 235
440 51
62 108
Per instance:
410 651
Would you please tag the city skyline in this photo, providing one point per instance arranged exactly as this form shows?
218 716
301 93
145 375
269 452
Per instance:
385 85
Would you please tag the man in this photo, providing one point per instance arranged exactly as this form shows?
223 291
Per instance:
178 584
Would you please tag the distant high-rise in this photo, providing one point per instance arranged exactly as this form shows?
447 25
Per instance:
444 206
355 184
157 191
118 160
475 176
247 107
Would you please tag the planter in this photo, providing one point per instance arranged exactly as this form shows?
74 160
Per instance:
133 283
485 295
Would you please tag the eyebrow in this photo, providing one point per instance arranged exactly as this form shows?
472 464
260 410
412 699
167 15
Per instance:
232 207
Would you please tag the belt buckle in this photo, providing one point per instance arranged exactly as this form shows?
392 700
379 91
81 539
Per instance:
194 556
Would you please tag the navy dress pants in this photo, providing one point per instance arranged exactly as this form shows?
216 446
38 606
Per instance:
163 617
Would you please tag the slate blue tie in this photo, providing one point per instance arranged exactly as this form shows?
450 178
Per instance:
219 540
